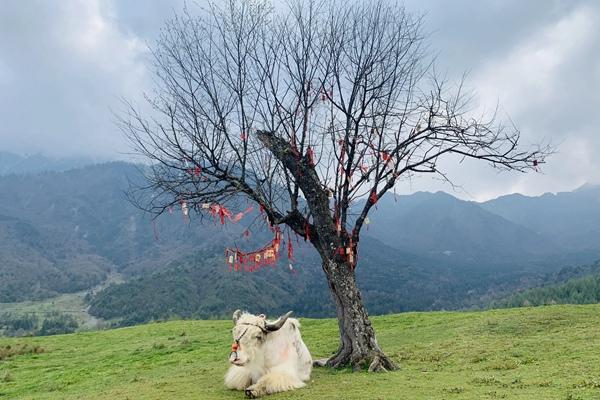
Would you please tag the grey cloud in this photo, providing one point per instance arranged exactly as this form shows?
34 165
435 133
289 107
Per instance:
540 60
63 65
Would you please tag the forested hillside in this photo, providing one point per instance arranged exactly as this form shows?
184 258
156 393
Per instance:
64 232
581 289
36 264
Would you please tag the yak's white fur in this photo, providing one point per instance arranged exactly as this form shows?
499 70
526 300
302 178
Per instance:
268 362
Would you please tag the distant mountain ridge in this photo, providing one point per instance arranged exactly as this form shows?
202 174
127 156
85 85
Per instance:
12 163
443 227
570 219
423 251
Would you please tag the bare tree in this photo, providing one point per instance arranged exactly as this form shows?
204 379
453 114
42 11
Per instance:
306 113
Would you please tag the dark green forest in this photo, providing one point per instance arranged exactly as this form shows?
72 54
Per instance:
30 324
560 290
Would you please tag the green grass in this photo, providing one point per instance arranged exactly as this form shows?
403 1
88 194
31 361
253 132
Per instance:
529 353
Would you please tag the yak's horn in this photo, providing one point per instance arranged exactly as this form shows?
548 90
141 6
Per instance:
273 326
236 315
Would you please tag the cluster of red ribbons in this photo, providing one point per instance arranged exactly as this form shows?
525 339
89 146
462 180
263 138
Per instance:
347 253
252 261
196 171
221 212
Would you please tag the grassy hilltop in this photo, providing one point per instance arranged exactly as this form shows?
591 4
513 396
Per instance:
528 353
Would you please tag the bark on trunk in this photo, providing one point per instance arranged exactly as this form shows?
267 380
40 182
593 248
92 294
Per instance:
358 345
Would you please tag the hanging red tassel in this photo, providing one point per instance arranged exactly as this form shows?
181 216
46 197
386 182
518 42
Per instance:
277 241
311 156
385 156
373 197
222 212
222 215
197 171
290 249
237 217
306 231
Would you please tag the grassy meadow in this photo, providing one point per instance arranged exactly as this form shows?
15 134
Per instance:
529 353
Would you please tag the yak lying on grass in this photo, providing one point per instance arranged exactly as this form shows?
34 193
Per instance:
267 357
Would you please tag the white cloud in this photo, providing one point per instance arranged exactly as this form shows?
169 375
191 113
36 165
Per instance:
530 71
546 82
73 62
64 64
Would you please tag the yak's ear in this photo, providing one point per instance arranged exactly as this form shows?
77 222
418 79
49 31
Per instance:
236 315
263 316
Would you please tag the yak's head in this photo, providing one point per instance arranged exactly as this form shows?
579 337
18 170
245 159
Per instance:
249 333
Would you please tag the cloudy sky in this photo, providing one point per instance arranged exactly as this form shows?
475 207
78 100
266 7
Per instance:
65 64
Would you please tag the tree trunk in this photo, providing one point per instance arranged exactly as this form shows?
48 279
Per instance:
358 345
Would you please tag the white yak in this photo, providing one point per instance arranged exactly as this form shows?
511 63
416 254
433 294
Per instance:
267 357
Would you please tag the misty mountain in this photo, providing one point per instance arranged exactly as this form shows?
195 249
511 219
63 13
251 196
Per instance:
570 219
11 163
64 231
38 264
84 212
447 229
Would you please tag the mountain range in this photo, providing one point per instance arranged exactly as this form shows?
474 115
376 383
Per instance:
65 231
12 163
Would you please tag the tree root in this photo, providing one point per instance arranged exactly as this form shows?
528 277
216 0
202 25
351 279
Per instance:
377 363
382 363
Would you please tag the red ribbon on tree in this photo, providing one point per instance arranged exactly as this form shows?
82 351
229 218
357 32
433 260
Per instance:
290 248
252 261
222 212
311 156
373 197
306 231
